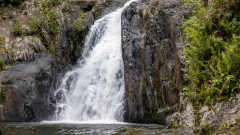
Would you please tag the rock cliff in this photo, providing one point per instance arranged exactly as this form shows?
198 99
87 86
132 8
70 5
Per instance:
153 58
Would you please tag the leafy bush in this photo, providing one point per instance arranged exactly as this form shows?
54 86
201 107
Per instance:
78 24
213 56
50 3
52 17
35 26
17 30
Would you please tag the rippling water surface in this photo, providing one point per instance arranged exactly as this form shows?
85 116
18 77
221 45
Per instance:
55 128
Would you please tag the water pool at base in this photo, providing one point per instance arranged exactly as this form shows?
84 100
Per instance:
55 128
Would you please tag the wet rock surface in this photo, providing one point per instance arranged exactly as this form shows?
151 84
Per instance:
153 58
24 88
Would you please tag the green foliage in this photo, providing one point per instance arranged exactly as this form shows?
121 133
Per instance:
206 130
5 16
2 65
36 26
79 23
52 17
238 120
213 56
17 30
175 124
1 40
50 3
47 19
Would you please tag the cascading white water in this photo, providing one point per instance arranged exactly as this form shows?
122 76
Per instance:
94 91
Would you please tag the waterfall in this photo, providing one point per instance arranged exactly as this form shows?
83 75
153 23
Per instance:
94 90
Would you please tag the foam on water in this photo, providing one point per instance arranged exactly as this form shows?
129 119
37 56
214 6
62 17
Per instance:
82 122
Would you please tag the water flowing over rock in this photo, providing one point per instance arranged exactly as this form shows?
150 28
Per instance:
94 90
27 87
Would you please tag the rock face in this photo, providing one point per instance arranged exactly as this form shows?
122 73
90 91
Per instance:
153 58
26 87
184 116
221 113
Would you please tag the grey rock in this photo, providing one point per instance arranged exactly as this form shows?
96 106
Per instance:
203 109
223 112
187 117
208 118
153 58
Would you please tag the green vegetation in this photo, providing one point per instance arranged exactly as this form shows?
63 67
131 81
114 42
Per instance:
50 3
79 24
1 40
2 65
213 55
175 124
206 130
17 30
230 128
52 17
47 20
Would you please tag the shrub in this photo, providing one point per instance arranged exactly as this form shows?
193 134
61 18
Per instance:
78 24
52 17
213 56
17 30
35 26
50 3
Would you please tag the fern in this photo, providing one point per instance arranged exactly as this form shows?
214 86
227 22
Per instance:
213 56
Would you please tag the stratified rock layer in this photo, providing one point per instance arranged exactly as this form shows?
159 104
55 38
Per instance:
153 58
